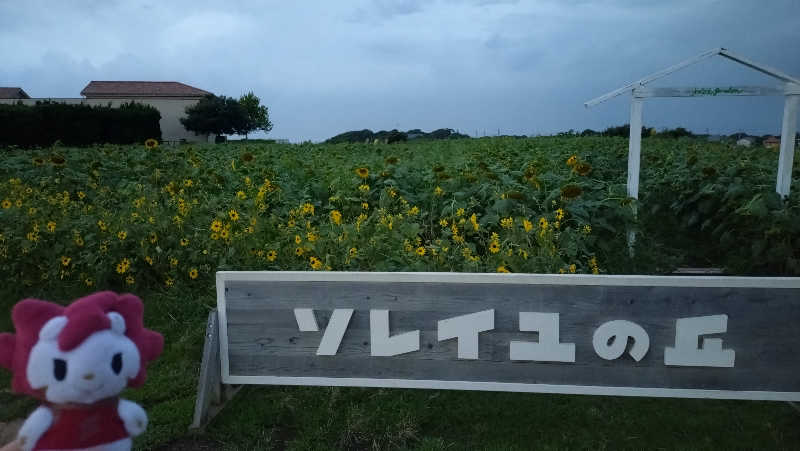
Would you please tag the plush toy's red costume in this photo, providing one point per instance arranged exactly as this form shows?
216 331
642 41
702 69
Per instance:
78 427
77 359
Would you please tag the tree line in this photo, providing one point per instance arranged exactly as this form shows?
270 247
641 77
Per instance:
391 136
222 115
48 122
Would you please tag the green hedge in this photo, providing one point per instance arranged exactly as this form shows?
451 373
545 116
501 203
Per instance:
43 124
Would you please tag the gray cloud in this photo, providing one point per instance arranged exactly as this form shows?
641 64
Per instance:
474 65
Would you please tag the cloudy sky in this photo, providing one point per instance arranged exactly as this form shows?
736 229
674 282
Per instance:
479 66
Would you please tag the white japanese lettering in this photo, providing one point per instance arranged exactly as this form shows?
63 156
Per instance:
381 344
466 329
548 349
611 339
686 351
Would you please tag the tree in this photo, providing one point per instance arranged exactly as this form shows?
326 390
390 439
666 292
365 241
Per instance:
219 115
256 115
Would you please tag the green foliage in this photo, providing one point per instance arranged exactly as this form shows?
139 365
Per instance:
257 115
219 115
358 136
719 204
49 122
392 136
679 132
623 131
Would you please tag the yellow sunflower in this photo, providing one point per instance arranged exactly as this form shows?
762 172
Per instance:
572 161
151 143
527 225
362 172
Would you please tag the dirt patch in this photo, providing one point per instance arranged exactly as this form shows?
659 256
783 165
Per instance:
8 431
192 443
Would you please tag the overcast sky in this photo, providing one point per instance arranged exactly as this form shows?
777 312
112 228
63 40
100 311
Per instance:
479 66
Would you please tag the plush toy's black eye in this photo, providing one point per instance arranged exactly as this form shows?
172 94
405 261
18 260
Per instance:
116 363
59 369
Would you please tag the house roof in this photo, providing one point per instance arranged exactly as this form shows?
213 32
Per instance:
141 89
774 73
13 93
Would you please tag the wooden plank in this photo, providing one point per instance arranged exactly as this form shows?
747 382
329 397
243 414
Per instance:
764 69
634 161
212 394
786 157
264 344
634 148
652 77
709 91
209 383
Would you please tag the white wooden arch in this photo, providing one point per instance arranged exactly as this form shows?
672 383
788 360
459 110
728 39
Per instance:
789 88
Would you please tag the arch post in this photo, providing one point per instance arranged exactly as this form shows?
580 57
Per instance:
634 159
786 158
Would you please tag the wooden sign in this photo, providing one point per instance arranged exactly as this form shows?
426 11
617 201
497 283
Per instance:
693 337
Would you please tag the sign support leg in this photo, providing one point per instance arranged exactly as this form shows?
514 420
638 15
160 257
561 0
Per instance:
212 394
786 158
634 160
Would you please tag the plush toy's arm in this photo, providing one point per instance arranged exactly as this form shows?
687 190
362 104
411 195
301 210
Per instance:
133 416
34 427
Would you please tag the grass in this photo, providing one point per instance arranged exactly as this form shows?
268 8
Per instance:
324 418
487 176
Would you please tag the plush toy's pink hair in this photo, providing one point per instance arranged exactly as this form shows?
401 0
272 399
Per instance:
85 316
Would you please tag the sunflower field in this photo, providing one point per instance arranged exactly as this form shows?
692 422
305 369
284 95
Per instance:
126 217
159 221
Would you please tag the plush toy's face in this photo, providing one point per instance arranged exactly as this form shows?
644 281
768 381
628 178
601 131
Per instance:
98 368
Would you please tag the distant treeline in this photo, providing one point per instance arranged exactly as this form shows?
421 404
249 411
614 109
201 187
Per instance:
366 135
360 136
624 130
679 132
43 124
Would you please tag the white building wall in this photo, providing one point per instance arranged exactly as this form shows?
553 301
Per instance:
171 109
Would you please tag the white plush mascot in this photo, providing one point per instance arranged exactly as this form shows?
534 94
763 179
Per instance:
77 359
